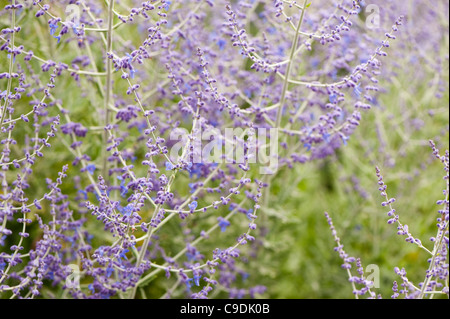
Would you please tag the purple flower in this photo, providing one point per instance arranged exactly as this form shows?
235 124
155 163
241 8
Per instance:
193 281
128 113
223 224
2 240
127 210
123 253
53 28
169 166
167 5
221 43
333 98
91 169
75 128
193 206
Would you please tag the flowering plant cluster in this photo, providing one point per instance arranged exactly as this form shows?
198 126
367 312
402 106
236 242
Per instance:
119 175
436 278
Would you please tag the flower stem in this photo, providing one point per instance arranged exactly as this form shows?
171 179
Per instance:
108 94
288 68
11 66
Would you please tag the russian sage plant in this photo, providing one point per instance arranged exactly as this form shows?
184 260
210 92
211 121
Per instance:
436 277
139 139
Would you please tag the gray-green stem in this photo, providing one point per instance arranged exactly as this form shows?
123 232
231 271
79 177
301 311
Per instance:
108 93
289 66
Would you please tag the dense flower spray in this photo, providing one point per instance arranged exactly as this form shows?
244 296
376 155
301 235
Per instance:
93 197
